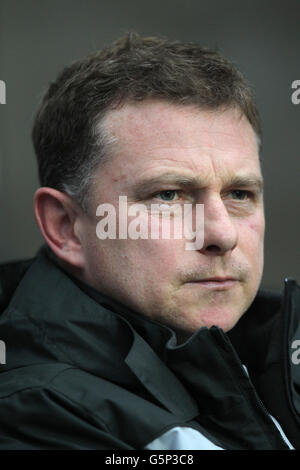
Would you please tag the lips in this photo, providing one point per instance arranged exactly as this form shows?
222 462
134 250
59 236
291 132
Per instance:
214 279
217 279
220 283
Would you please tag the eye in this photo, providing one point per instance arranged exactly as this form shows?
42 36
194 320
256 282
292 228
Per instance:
240 194
168 195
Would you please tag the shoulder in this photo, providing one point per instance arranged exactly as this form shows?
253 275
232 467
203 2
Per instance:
54 406
65 380
11 274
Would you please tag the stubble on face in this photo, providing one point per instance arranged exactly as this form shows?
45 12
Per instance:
159 278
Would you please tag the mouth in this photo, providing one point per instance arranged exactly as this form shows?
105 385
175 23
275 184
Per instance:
216 283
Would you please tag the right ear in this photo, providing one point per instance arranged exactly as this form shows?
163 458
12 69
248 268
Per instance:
56 214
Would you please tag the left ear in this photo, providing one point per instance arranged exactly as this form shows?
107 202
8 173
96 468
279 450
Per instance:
56 214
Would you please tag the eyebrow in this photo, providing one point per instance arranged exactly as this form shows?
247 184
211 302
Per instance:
144 186
242 181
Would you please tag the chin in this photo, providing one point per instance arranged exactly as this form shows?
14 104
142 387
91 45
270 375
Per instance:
225 320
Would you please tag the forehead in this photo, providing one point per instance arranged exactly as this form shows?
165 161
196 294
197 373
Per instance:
155 136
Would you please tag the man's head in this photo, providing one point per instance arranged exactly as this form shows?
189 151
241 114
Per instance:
156 121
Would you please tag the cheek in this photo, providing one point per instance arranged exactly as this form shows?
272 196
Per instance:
251 244
252 231
159 249
159 254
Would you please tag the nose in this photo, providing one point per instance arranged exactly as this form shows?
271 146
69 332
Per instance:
220 229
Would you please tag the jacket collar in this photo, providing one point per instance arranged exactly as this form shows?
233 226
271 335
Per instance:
71 322
63 322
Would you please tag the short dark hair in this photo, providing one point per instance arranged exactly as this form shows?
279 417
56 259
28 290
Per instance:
68 138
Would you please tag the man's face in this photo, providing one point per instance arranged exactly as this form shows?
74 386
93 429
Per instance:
180 154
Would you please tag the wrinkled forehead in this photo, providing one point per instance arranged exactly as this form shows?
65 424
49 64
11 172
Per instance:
154 138
148 130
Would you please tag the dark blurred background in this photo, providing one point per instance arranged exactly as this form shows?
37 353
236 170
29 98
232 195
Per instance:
262 37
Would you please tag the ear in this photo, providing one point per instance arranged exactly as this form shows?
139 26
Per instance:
56 214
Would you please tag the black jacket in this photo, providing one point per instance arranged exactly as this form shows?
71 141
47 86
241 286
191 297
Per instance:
83 372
